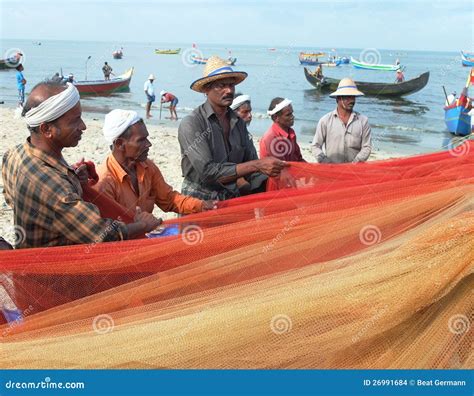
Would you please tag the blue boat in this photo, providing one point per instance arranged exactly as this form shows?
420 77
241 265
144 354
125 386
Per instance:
467 59
458 120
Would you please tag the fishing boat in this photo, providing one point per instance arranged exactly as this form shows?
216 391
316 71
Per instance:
467 59
102 87
198 60
372 88
118 54
457 111
167 51
369 66
11 62
310 58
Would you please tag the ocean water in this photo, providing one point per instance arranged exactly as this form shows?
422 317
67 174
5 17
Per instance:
412 124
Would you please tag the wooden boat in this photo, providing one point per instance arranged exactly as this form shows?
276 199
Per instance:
11 62
369 66
310 58
457 120
102 87
372 88
467 59
198 60
118 54
167 51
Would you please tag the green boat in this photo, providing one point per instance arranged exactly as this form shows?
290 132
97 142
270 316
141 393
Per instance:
369 66
372 88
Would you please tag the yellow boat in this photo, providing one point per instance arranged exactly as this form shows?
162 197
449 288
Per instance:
167 51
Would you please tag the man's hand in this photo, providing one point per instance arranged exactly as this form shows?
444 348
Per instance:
271 166
82 173
209 205
150 221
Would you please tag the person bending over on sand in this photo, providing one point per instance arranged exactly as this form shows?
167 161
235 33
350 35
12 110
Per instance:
44 191
344 134
280 140
173 101
243 107
130 178
219 160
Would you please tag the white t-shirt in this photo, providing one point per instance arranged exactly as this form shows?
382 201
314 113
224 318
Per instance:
148 87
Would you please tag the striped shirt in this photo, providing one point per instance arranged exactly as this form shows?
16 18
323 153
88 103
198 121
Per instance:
46 197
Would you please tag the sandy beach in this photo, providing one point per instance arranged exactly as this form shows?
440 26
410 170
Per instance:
165 153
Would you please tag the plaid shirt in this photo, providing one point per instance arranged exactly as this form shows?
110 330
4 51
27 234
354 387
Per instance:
46 197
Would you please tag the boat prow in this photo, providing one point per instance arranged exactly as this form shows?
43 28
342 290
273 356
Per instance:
106 87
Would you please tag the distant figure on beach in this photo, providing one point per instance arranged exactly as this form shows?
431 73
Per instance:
168 97
44 191
343 135
107 70
20 84
219 160
280 139
242 105
150 94
399 77
130 178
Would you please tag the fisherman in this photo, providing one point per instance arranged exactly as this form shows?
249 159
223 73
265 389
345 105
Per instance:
399 77
130 178
343 135
44 191
107 70
168 97
150 94
242 105
280 140
219 160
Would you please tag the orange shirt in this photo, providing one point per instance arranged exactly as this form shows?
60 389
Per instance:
152 189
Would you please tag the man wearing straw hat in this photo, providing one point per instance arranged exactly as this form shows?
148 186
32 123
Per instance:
219 160
343 135
44 191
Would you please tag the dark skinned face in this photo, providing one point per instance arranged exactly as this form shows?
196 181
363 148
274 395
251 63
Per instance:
67 130
137 146
221 93
285 117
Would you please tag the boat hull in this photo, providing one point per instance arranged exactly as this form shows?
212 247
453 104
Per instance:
373 89
168 51
467 59
102 87
458 120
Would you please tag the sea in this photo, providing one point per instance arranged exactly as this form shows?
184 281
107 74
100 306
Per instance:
410 125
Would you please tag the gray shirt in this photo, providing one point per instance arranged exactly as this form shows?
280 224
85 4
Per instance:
342 143
205 156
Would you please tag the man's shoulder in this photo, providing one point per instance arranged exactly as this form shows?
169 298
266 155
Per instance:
326 117
196 118
362 117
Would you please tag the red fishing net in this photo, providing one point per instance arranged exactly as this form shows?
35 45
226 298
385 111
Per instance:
351 265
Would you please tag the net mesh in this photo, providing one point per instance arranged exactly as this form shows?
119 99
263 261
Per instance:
358 266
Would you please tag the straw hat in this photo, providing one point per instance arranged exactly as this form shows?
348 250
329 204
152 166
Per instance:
151 77
346 87
217 69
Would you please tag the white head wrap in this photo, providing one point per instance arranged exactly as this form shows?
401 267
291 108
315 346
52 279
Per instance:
279 106
239 100
53 107
116 122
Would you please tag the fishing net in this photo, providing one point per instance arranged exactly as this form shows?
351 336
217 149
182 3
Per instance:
340 266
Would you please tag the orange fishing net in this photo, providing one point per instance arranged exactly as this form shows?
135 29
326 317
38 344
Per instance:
356 266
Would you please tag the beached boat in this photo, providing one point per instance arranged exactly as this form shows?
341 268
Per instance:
118 54
372 88
167 51
102 87
467 59
369 66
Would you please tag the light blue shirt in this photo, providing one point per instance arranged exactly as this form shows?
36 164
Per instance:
19 80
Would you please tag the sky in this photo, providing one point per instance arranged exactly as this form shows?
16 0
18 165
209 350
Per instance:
435 25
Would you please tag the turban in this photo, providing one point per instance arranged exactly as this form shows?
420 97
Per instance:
53 107
239 100
280 106
117 122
